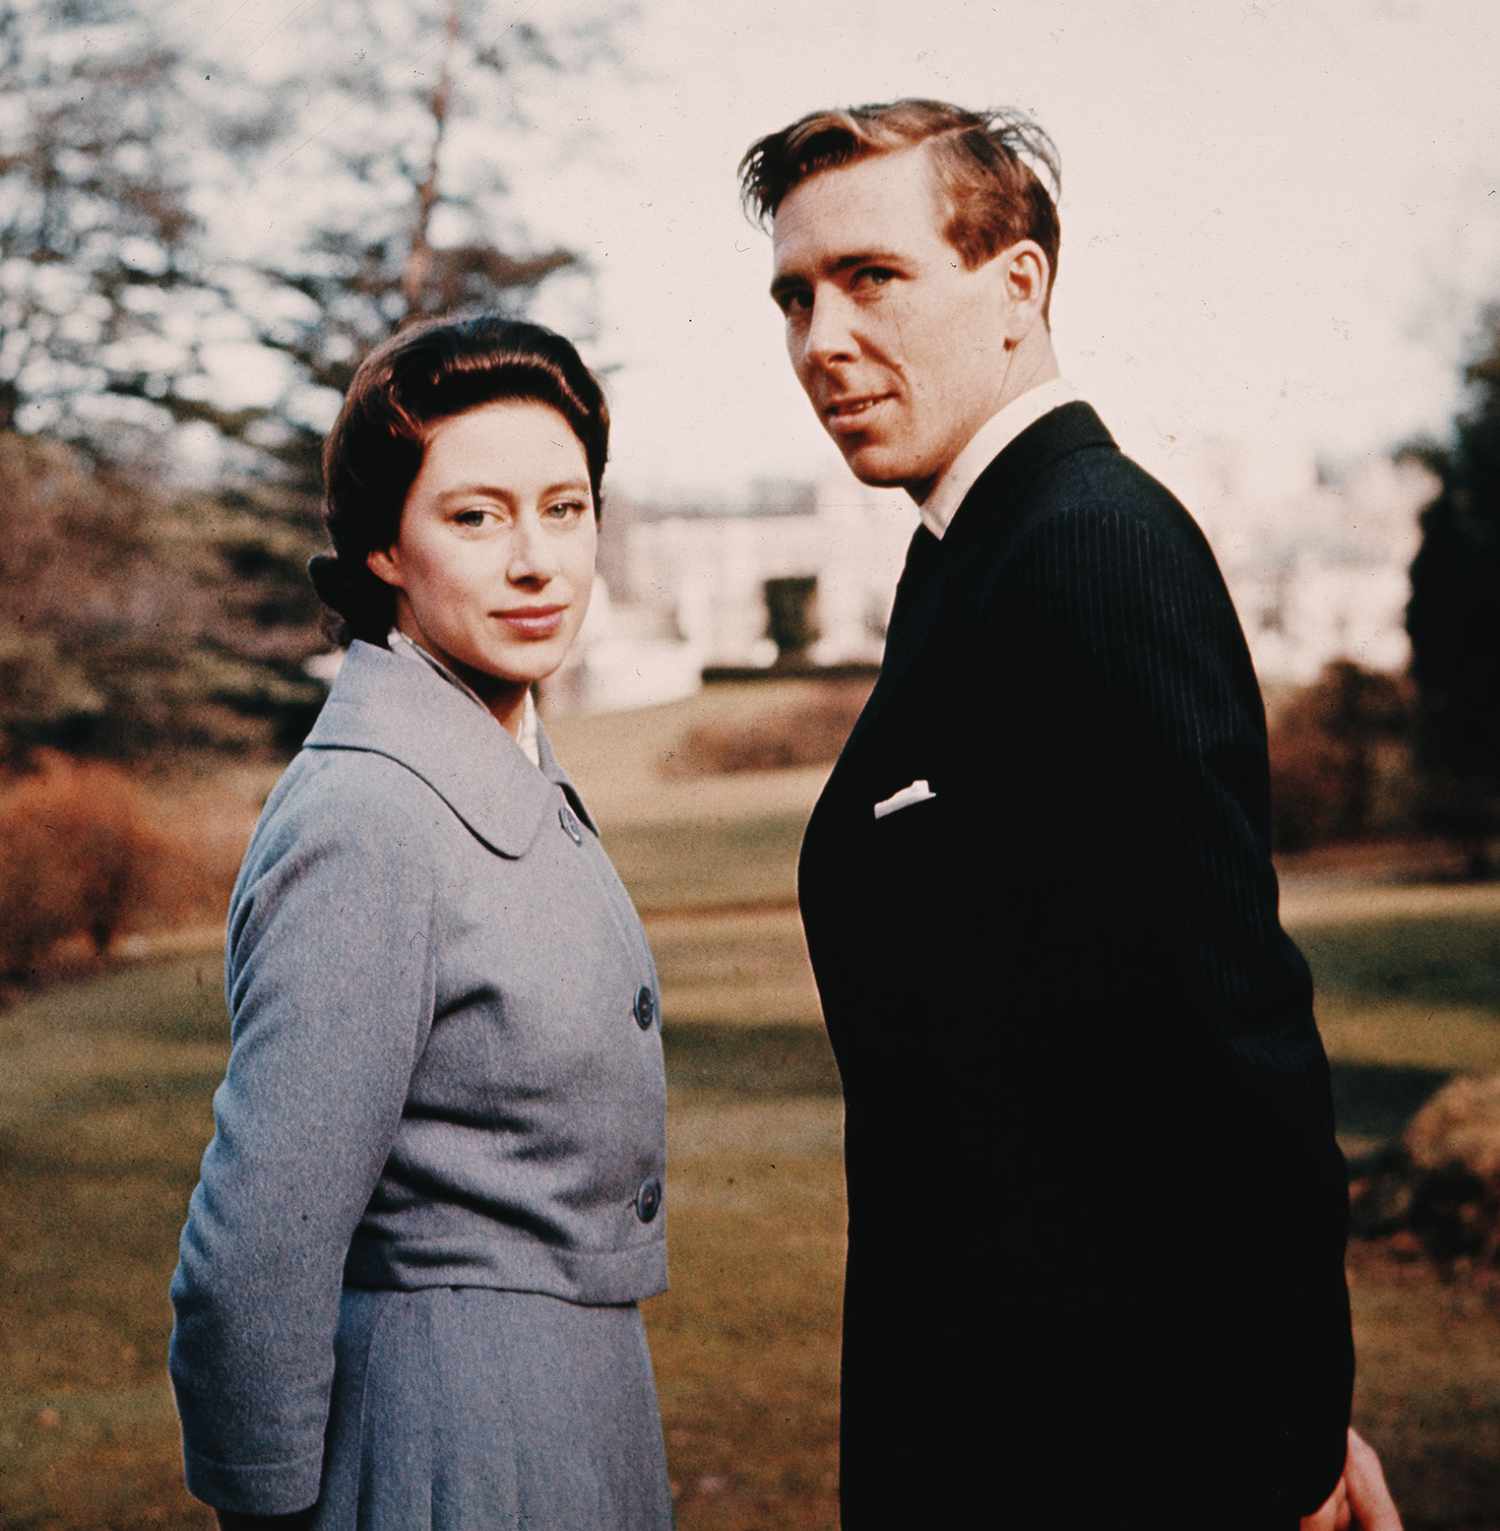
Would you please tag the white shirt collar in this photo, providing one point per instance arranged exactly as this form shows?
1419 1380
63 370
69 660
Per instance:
986 444
398 643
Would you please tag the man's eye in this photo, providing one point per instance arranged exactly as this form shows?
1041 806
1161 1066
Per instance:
567 510
791 303
476 516
873 276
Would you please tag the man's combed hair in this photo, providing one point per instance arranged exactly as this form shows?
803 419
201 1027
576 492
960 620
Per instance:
989 167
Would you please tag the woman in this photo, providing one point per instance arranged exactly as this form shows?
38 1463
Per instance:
408 1281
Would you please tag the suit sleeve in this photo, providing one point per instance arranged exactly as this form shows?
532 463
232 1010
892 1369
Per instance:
1152 728
1152 721
330 977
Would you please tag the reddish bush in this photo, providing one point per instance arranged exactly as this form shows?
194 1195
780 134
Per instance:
800 733
1309 786
77 855
1340 763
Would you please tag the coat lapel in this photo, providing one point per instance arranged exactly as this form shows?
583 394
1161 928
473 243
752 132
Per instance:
553 771
391 706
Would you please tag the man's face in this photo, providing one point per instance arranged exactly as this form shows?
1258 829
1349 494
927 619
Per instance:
900 349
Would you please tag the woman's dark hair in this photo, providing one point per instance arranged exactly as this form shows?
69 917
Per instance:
427 373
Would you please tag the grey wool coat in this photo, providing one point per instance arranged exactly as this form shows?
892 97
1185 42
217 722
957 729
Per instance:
434 1191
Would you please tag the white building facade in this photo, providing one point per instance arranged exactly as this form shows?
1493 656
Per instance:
1317 566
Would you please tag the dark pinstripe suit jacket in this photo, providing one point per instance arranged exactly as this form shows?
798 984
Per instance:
1097 1213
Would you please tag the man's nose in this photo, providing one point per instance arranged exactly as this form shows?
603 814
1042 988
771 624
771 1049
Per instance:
830 336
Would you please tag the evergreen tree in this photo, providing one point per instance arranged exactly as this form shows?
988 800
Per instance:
104 292
1453 617
125 629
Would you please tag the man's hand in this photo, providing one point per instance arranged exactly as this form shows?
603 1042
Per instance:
1360 1501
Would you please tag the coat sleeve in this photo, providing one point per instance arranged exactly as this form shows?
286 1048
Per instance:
330 979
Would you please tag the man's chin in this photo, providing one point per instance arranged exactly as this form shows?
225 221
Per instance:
876 467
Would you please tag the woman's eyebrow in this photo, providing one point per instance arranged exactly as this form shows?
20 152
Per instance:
499 492
463 491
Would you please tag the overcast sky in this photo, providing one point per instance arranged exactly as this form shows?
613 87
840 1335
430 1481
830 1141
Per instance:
1278 216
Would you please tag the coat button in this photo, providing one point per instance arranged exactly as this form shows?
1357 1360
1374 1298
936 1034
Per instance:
644 1008
569 821
648 1199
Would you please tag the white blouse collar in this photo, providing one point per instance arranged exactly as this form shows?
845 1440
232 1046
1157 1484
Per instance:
399 643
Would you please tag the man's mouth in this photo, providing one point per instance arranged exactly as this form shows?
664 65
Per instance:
847 413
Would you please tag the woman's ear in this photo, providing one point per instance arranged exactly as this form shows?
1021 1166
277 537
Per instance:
384 565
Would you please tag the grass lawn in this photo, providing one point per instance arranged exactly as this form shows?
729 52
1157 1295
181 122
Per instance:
104 1105
104 1109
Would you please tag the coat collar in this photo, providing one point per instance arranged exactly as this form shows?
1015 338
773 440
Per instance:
389 705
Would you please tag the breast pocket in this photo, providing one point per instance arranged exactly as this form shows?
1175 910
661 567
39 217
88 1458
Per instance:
904 799
911 851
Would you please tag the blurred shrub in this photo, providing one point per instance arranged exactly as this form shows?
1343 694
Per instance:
134 623
78 858
1440 1186
1340 759
810 731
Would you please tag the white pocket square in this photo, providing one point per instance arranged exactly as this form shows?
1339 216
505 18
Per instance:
918 792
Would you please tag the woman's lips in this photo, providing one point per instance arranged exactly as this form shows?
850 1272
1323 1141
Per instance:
533 621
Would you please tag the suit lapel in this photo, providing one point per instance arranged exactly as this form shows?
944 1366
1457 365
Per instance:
914 614
993 512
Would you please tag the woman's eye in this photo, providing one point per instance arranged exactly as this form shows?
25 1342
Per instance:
473 517
567 510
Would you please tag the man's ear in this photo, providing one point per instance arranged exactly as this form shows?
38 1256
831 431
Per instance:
1025 272
384 565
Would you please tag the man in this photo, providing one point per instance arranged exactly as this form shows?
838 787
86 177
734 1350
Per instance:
1096 1210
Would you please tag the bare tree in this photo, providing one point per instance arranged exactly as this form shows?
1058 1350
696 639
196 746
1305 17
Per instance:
399 166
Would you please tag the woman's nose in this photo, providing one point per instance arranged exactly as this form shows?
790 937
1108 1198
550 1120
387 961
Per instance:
531 554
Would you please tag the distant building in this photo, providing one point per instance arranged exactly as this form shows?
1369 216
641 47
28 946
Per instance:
707 567
626 656
1316 562
1317 565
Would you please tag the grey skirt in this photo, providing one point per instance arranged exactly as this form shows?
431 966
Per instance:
466 1409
